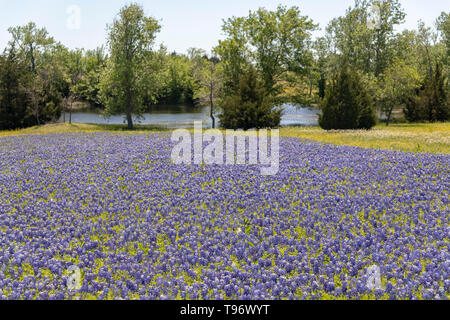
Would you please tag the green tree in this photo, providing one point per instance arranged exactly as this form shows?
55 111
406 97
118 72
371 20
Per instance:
30 42
233 52
431 102
178 86
73 69
13 96
323 57
398 83
367 46
250 107
35 48
274 41
350 37
426 39
46 87
129 72
87 88
391 14
443 25
347 105
208 74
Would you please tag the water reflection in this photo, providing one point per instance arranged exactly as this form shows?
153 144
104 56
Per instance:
183 116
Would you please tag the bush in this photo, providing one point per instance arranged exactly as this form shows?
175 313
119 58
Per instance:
347 104
13 96
250 107
431 102
26 99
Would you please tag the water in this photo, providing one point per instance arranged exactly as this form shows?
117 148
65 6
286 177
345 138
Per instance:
183 116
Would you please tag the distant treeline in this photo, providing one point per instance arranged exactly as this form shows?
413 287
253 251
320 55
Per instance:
267 58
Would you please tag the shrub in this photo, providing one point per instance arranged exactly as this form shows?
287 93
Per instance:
431 102
347 104
13 96
250 106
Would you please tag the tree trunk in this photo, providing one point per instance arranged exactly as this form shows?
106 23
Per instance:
37 116
377 62
70 113
212 111
129 115
129 120
430 66
129 109
388 121
33 63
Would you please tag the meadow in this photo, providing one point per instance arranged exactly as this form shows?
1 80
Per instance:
111 203
421 138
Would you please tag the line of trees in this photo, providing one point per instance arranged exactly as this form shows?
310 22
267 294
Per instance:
404 71
267 58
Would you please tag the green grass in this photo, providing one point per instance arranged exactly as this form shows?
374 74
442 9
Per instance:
79 127
424 138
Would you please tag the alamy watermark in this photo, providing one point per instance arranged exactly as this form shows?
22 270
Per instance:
374 278
74 17
74 281
374 19
235 152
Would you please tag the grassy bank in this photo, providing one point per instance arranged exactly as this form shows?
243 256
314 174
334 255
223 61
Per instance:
432 138
79 127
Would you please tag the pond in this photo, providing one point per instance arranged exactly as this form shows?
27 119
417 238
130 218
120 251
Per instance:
183 116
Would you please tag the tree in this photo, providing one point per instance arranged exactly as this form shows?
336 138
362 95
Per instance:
126 80
73 73
426 39
322 52
178 82
87 88
251 106
431 102
274 41
347 104
31 41
391 14
40 52
367 46
351 38
209 76
13 96
398 83
443 25
233 52
45 90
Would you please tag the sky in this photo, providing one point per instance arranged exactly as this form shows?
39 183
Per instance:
185 23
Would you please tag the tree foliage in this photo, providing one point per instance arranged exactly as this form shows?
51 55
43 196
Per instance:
274 41
347 105
431 102
208 76
178 80
397 84
14 98
129 73
250 107
87 85
42 80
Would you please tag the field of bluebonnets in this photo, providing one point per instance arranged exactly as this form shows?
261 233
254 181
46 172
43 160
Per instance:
140 227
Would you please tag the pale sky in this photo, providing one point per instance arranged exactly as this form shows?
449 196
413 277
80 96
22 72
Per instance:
185 24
